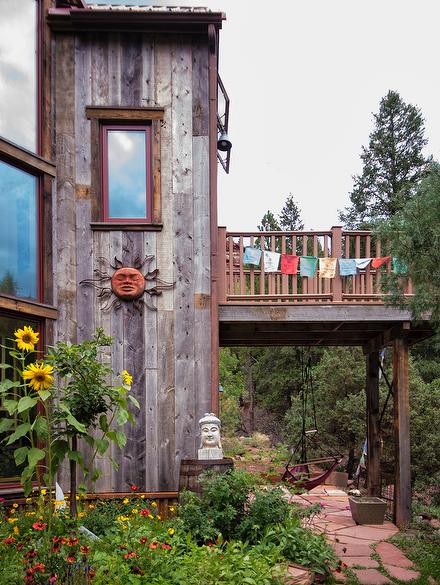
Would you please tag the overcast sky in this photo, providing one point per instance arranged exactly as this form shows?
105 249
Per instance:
304 78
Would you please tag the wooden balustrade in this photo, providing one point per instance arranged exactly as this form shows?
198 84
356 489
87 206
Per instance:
244 283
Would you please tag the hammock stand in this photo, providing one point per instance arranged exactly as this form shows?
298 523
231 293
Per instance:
300 474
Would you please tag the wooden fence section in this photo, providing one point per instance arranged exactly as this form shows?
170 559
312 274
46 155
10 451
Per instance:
244 283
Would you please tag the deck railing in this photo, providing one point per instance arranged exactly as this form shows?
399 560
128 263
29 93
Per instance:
242 283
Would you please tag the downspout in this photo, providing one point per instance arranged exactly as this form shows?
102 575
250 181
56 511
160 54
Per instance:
213 56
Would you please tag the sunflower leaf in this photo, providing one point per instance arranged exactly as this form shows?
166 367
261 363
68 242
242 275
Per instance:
6 424
34 455
44 395
8 384
20 431
10 405
20 455
26 403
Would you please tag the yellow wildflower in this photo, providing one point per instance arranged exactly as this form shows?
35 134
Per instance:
142 497
26 338
39 375
159 517
12 511
124 527
12 520
16 530
172 508
15 505
127 378
92 506
171 531
28 500
81 514
77 498
30 513
134 511
150 516
43 492
154 504
125 501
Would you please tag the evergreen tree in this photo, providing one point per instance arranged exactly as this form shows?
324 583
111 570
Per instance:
269 223
393 164
290 216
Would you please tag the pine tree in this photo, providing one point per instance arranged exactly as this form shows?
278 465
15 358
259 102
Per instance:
393 164
290 216
269 223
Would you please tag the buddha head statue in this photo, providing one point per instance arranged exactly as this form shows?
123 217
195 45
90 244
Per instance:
210 431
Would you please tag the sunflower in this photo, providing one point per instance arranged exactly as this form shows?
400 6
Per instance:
26 338
127 378
39 375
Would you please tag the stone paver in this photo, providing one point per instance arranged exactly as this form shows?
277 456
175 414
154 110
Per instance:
366 562
370 577
352 550
401 574
369 532
391 555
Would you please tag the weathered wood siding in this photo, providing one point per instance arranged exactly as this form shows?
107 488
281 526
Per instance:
166 351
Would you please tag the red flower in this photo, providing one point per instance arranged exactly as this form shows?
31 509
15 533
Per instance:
153 545
145 512
72 541
39 525
70 559
39 567
130 555
8 540
56 539
134 488
56 549
85 549
53 578
143 540
31 554
166 546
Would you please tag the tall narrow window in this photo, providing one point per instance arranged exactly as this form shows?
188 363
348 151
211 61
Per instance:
19 259
126 173
18 72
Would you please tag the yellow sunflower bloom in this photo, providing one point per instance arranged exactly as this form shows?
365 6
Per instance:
26 338
39 375
127 378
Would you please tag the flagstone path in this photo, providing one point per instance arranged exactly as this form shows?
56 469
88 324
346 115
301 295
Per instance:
354 543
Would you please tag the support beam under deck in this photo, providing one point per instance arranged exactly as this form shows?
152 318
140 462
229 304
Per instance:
373 450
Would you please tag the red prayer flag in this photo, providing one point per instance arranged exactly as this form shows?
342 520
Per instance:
289 264
378 262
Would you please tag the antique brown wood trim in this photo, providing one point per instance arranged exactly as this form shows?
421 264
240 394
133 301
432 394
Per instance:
115 113
155 147
27 307
25 159
105 226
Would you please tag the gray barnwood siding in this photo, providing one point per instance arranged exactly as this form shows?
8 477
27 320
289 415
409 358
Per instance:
167 351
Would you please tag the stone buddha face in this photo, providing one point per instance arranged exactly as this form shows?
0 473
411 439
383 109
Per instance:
210 436
128 283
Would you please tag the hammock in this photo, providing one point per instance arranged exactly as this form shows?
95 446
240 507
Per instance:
299 474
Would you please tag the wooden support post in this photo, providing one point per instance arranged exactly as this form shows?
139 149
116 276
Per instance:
221 264
402 487
373 449
337 253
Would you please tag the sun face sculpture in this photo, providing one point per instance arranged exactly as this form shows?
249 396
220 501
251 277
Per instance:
127 284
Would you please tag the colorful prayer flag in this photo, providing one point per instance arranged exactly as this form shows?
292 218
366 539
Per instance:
271 261
327 267
252 256
307 265
399 267
378 262
347 267
289 264
362 262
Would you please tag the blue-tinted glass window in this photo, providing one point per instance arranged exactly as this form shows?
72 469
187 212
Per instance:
127 182
18 232
18 72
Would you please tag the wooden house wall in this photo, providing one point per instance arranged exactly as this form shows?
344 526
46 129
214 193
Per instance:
167 351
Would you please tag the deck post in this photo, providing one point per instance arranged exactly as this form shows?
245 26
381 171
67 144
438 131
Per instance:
221 264
373 446
402 487
337 253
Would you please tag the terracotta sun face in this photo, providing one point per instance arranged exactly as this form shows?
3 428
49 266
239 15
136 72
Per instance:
128 283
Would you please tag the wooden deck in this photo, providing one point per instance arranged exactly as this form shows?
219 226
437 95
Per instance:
260 308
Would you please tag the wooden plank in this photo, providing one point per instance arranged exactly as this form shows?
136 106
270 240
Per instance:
47 210
125 113
65 221
83 95
100 77
157 170
166 407
202 277
181 118
23 157
184 327
200 85
131 69
27 307
148 76
402 488
372 395
114 73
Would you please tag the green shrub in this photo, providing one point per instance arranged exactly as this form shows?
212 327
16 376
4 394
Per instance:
268 508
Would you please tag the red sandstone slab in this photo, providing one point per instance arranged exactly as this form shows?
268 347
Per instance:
370 577
341 520
401 574
368 532
342 538
366 562
391 555
352 550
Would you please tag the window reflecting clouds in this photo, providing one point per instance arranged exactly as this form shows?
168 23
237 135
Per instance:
127 174
18 92
18 232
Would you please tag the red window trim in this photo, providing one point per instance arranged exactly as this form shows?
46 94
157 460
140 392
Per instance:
105 128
